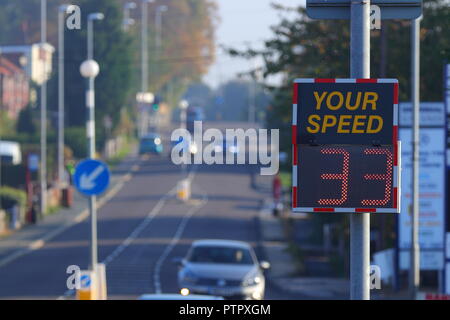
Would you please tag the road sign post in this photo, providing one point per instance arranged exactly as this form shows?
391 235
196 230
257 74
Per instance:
359 14
346 155
91 178
414 275
360 224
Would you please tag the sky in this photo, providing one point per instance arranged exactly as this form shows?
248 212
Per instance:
242 23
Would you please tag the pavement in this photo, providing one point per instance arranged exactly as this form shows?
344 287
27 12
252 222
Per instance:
283 272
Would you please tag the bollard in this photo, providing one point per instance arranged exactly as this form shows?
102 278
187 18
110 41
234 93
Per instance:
184 190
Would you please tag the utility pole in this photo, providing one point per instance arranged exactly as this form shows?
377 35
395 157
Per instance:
360 223
414 276
43 171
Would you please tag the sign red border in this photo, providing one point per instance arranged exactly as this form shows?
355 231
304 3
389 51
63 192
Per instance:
395 142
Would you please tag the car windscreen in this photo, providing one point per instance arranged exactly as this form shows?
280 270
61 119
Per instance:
216 254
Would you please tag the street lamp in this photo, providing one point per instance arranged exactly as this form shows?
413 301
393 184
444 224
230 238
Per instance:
43 142
64 9
158 23
144 45
127 21
144 63
89 69
91 18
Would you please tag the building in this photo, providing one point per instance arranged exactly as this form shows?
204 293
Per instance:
36 59
14 88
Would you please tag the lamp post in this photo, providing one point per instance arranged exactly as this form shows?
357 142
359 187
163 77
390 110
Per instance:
64 9
158 29
144 63
127 21
183 109
414 276
184 189
43 142
158 24
89 69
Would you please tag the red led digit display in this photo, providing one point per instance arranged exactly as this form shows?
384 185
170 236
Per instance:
346 176
341 176
387 177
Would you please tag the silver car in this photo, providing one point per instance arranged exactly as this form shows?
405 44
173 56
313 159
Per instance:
222 268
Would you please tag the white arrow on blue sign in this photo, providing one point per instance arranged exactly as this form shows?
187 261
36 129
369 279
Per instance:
91 177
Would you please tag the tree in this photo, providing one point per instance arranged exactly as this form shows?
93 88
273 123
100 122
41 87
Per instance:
186 53
25 123
113 50
187 47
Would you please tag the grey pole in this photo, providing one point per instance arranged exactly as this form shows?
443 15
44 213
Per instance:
158 25
360 223
183 116
43 175
61 108
144 46
144 63
90 104
414 276
158 43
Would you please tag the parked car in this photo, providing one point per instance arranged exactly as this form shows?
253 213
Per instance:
151 143
10 153
223 268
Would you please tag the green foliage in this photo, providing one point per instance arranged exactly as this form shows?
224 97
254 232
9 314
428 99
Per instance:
75 138
25 123
16 195
6 124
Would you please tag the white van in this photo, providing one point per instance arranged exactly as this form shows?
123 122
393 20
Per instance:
10 153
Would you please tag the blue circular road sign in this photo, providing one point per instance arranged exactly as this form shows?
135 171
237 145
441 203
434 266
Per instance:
91 177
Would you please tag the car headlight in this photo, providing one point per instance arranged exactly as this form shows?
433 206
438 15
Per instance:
157 141
193 148
252 281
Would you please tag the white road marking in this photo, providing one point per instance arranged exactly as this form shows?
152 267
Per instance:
174 242
135 233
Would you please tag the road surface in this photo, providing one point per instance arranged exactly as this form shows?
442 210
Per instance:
141 229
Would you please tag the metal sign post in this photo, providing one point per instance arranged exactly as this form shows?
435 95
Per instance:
360 224
414 276
358 11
